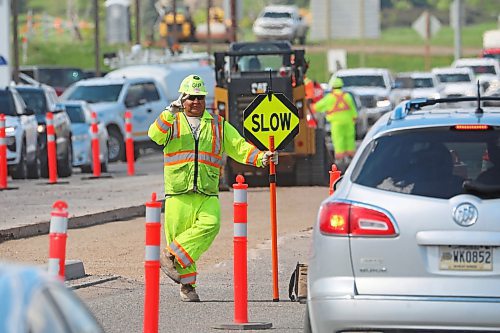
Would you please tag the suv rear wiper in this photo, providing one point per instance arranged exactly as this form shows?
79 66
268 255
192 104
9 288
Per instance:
480 188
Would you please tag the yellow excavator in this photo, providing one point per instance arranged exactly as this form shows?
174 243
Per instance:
182 29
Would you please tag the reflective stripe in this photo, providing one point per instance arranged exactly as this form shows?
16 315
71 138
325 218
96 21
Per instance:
94 135
180 254
2 123
58 224
51 137
53 266
152 253
252 156
240 196
128 135
163 125
153 215
182 156
49 122
3 141
240 229
217 135
188 278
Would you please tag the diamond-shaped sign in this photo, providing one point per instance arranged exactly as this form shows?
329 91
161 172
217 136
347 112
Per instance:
426 25
266 117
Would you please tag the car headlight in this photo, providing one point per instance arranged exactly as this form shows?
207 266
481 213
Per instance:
10 130
436 95
383 103
80 137
40 128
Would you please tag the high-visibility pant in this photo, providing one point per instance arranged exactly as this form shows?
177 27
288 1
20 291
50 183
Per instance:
192 220
343 136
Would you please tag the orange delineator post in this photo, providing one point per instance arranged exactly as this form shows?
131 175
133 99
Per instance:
152 266
3 153
334 175
57 238
95 146
240 207
274 224
129 143
51 148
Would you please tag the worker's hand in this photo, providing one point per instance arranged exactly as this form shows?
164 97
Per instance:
269 156
176 106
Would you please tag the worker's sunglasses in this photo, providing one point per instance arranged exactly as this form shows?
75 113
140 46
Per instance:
198 97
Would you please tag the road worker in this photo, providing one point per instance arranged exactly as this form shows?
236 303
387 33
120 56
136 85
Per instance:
314 93
194 141
341 112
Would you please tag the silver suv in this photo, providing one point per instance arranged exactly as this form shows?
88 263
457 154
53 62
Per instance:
410 239
280 22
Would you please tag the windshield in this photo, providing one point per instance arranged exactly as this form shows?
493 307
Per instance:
75 113
95 94
277 15
60 77
452 78
478 70
431 162
7 104
364 81
35 100
423 83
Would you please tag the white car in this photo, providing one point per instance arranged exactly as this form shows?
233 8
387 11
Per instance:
280 22
415 85
456 82
486 70
80 114
372 86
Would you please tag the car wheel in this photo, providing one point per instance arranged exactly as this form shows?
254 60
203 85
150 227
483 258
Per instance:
307 322
86 168
116 145
65 167
21 169
35 166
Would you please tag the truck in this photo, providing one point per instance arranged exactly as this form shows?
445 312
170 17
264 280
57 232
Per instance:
491 44
250 68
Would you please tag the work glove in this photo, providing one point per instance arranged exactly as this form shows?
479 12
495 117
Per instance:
176 106
269 156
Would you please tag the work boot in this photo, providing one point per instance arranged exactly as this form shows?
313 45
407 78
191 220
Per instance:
188 293
168 267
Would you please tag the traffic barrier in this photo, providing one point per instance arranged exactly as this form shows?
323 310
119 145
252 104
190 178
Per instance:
334 175
57 237
51 148
129 143
3 154
240 272
152 266
95 146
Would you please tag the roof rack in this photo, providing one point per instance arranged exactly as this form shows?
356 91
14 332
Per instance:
406 107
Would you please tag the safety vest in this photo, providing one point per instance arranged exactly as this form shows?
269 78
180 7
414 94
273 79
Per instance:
194 164
338 106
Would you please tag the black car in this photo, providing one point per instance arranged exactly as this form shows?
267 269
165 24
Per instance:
58 77
42 99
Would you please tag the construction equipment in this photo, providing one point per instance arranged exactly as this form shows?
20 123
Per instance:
176 24
220 28
250 68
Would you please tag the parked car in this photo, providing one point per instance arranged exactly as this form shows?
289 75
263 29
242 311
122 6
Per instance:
415 85
372 86
111 97
456 82
58 77
23 159
32 301
409 239
80 114
42 99
486 70
280 22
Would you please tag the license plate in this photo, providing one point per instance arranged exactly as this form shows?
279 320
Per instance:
466 258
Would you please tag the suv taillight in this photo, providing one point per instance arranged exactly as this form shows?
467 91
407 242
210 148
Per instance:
343 219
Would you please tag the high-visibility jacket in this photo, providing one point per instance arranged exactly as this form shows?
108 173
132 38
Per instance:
339 107
194 164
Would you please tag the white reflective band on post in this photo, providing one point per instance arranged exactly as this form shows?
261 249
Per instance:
240 196
3 141
49 122
93 135
2 123
128 135
240 230
152 253
58 224
153 215
51 137
53 266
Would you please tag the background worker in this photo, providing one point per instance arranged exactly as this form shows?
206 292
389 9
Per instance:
341 112
314 93
194 141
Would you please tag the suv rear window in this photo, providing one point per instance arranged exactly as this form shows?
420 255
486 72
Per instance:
7 104
364 81
431 162
96 94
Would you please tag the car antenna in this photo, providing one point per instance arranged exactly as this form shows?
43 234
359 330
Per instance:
479 110
270 87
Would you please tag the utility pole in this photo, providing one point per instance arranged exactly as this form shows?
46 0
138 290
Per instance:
15 37
209 32
97 51
362 31
137 22
457 26
234 22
